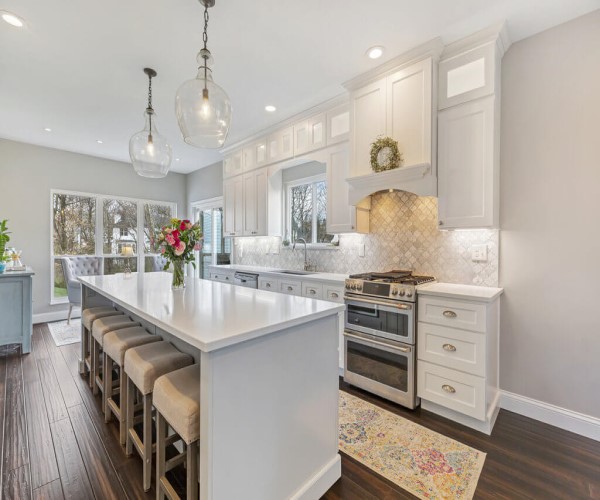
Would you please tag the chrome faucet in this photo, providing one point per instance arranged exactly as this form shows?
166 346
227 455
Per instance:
302 240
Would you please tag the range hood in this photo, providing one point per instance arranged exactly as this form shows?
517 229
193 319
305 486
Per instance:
417 179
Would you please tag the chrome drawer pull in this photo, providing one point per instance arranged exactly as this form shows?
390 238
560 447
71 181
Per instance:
290 288
449 388
312 291
449 347
334 295
449 314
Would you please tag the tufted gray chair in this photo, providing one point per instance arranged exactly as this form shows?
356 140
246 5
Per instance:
79 266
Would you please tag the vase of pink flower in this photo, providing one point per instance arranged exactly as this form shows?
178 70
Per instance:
178 241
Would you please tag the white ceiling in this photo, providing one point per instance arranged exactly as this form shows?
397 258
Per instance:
77 66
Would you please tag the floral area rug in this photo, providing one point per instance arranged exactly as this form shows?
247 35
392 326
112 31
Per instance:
425 463
64 334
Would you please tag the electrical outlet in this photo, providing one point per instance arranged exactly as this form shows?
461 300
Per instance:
479 253
361 250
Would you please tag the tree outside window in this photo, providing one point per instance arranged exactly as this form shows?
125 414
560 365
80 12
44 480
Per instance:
308 212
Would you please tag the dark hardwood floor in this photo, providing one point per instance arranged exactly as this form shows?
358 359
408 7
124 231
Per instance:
55 444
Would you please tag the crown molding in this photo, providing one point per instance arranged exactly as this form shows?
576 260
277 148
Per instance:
497 33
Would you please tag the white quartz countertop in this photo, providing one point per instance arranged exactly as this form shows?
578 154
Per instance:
334 278
466 292
207 314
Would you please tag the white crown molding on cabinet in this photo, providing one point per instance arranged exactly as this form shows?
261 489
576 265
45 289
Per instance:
319 108
569 420
496 33
433 49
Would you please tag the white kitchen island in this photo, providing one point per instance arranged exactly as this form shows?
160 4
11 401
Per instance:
269 379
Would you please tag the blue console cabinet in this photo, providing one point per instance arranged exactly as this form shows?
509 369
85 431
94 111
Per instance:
16 308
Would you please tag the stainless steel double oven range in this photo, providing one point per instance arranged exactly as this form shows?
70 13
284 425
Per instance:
380 334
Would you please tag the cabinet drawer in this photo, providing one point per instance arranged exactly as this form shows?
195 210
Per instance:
452 389
313 291
334 294
453 348
268 284
452 313
291 287
225 278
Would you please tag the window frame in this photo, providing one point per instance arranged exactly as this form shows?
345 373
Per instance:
201 206
99 230
313 179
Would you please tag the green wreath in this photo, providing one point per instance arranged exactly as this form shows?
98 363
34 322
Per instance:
385 154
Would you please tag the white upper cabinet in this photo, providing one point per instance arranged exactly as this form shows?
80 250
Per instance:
280 145
469 131
398 106
248 158
341 216
367 122
260 152
409 112
255 203
233 164
233 201
301 138
468 76
317 126
467 165
338 124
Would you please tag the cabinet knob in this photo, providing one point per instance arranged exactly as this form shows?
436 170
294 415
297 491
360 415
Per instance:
449 314
440 223
312 291
290 289
334 295
449 347
268 285
449 388
226 277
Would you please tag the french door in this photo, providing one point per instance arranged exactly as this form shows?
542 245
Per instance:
216 249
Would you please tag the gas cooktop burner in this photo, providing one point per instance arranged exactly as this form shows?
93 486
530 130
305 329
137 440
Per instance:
395 276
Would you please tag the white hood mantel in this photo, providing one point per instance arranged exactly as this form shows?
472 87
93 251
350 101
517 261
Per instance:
416 179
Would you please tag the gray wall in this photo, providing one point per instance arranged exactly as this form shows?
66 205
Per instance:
204 184
28 173
550 201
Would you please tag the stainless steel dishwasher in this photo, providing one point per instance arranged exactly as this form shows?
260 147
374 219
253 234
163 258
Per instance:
248 280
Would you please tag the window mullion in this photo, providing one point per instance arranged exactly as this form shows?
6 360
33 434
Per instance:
141 250
100 228
314 213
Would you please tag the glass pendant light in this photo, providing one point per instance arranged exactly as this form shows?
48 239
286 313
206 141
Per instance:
203 108
149 151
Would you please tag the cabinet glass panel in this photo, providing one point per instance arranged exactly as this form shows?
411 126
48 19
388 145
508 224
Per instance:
465 78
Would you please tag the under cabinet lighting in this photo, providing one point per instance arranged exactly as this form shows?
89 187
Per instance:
12 19
375 52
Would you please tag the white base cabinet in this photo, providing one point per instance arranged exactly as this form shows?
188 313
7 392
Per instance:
457 353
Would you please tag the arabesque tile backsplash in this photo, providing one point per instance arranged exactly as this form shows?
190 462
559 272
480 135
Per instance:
404 235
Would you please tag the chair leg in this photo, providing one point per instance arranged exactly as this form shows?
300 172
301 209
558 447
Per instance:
192 471
95 365
123 402
107 383
147 444
129 415
69 315
161 432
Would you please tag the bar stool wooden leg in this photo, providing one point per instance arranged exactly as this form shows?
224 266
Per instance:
95 366
124 401
147 432
129 415
108 388
191 486
161 434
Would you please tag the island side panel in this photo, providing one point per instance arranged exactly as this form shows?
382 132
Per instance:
269 415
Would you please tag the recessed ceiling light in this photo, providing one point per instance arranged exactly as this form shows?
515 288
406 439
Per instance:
176 159
12 19
99 141
48 129
375 52
270 108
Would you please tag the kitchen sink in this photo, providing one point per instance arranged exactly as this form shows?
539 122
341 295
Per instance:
298 273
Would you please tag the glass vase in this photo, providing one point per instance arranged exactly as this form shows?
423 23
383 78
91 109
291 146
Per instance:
178 276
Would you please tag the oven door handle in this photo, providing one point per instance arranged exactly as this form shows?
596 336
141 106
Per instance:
380 305
376 342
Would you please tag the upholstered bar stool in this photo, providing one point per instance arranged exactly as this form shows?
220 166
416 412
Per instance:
177 402
99 329
143 365
88 316
114 346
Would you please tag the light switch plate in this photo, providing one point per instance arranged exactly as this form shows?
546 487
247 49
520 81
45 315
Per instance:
479 253
361 250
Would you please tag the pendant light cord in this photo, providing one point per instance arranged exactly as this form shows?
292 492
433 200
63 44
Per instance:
150 110
205 39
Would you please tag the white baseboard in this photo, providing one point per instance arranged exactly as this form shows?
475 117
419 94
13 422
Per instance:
579 423
55 315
